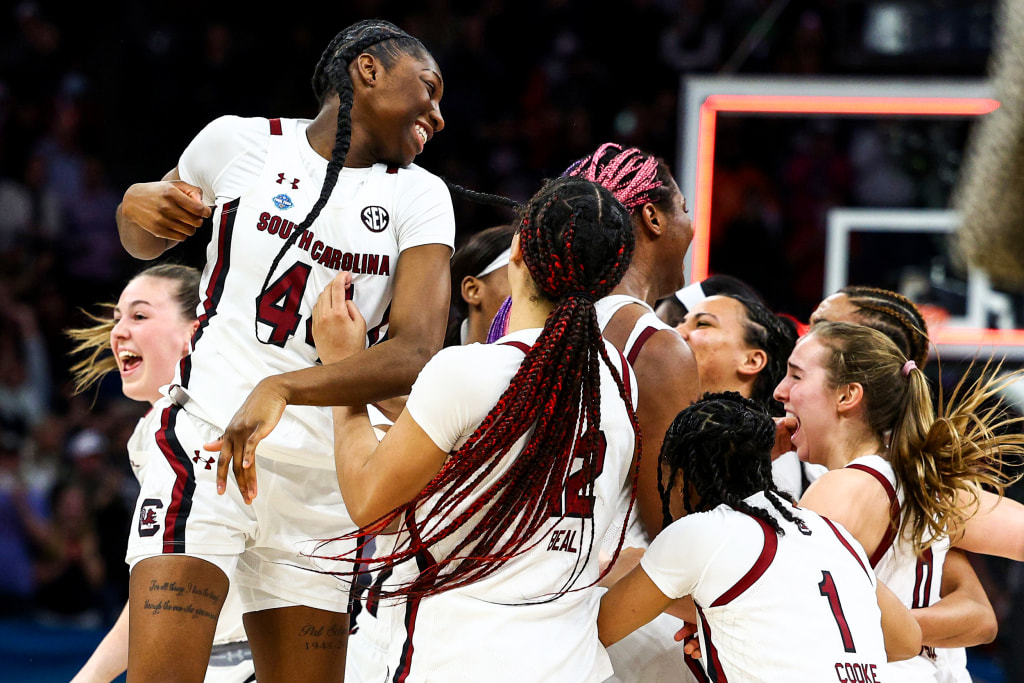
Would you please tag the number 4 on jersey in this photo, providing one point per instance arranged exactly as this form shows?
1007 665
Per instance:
278 305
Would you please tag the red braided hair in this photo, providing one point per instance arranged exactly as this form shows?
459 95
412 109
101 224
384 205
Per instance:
577 241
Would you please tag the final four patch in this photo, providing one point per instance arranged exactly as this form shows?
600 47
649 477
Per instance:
375 218
283 201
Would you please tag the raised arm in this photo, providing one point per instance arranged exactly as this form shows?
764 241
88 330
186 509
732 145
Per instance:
153 217
996 529
374 478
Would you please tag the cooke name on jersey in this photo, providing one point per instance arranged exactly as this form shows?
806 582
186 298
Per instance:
853 672
325 254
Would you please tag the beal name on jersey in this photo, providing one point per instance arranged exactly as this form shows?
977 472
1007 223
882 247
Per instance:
325 254
852 672
563 540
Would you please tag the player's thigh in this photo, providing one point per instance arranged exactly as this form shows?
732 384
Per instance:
173 605
298 644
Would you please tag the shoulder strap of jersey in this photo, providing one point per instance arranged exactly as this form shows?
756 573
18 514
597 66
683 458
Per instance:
894 512
844 542
525 348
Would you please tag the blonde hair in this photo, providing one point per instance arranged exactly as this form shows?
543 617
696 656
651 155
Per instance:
94 341
939 460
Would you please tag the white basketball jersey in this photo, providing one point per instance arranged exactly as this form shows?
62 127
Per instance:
246 334
916 580
454 636
799 607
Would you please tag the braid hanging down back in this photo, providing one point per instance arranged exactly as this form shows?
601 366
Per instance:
721 446
577 242
388 43
331 75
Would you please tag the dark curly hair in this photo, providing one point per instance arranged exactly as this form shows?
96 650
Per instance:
721 448
774 334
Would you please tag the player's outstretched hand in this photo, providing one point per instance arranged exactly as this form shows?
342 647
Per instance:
339 329
252 422
784 428
171 209
688 636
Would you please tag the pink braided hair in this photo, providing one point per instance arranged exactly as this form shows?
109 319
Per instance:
628 173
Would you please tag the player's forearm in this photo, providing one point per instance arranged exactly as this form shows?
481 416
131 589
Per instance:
354 444
138 241
383 371
900 630
110 659
957 621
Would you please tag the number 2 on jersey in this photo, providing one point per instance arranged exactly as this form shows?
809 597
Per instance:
577 502
827 588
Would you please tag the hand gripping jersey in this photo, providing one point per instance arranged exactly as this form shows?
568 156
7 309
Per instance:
799 607
916 580
265 178
506 627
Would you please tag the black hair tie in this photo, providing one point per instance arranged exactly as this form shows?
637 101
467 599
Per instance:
586 296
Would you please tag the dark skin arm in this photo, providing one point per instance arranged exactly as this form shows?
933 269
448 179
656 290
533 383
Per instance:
153 217
964 616
417 324
666 375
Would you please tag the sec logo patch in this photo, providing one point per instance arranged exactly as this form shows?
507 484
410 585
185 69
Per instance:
375 218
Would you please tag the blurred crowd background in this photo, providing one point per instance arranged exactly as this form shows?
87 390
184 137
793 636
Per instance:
95 97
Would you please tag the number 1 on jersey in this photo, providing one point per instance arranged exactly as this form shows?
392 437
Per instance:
827 588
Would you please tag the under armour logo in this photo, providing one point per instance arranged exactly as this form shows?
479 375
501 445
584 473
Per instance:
206 461
282 181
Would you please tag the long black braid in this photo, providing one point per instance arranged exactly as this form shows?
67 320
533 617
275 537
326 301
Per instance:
388 43
721 447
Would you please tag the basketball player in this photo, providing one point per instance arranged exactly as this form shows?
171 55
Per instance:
505 468
295 202
780 593
964 616
902 480
148 335
479 284
665 367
